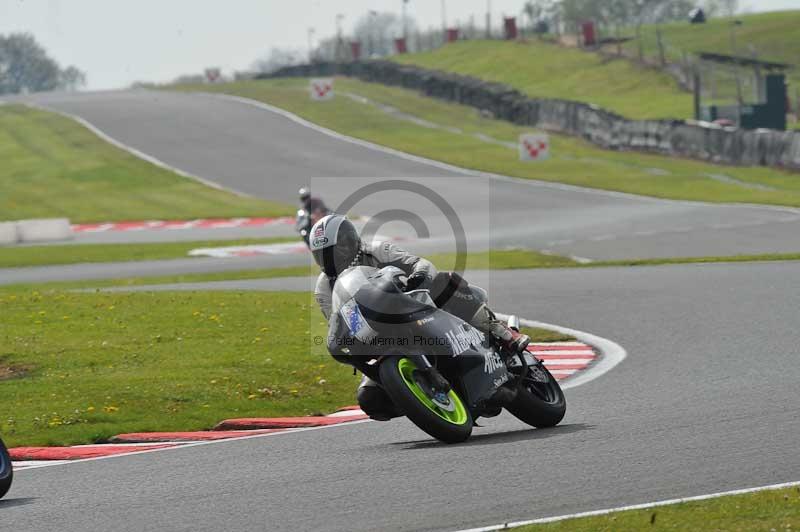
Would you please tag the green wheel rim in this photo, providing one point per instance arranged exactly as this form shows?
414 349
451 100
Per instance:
458 416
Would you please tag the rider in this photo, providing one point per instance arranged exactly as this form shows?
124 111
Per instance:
314 206
337 246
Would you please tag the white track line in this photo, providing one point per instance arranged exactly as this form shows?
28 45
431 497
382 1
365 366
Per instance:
644 506
612 352
137 153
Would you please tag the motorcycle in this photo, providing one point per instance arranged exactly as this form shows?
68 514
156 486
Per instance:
438 370
303 224
6 470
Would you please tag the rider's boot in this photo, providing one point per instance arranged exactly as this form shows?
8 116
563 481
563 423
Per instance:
374 400
485 320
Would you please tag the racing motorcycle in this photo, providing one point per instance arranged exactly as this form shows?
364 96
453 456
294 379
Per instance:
438 370
6 470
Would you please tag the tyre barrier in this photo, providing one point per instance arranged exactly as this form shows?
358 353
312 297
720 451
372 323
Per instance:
684 138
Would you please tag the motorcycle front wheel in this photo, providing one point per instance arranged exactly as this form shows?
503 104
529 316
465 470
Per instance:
540 401
445 418
6 470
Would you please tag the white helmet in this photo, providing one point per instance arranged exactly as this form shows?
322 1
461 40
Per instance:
335 244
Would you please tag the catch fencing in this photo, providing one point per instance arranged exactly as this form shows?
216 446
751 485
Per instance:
682 138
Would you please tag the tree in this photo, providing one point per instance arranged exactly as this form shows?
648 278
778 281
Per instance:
72 79
26 67
540 14
377 30
725 8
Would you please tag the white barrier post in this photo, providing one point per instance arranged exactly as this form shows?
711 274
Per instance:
534 147
44 230
321 89
8 233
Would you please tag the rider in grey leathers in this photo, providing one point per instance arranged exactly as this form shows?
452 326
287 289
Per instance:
336 246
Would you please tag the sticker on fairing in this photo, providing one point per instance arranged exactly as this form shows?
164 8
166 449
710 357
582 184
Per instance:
356 322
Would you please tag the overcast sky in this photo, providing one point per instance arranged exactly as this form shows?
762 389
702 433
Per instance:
120 41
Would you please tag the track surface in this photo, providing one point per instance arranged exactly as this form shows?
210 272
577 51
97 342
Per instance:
706 400
265 154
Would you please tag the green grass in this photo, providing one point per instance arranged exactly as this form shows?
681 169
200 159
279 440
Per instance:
573 161
767 511
54 167
19 256
545 335
94 365
82 367
506 259
544 70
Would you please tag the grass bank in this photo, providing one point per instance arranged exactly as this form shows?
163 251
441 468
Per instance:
18 256
465 144
54 167
546 70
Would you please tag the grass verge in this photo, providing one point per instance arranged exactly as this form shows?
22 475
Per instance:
768 511
99 364
573 161
54 167
17 256
82 367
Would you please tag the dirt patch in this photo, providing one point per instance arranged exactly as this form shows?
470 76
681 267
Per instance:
12 372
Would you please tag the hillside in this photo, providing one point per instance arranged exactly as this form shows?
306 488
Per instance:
546 70
772 36
550 71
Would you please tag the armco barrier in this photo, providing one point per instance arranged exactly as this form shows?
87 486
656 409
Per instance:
604 128
44 230
8 233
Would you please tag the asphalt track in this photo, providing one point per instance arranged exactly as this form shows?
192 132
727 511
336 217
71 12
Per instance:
706 401
263 153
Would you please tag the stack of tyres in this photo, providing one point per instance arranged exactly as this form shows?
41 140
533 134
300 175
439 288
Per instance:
6 471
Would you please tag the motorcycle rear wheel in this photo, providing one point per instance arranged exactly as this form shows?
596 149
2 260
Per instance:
6 470
450 425
540 401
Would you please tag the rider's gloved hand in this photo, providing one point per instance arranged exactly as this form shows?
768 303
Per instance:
418 280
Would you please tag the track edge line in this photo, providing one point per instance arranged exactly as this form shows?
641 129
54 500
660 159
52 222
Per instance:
642 506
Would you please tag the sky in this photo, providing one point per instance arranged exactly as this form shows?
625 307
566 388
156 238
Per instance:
118 42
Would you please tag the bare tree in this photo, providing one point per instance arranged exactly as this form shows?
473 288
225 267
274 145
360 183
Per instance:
278 58
540 14
377 31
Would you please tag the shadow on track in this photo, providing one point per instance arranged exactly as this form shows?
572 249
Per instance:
19 501
500 437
